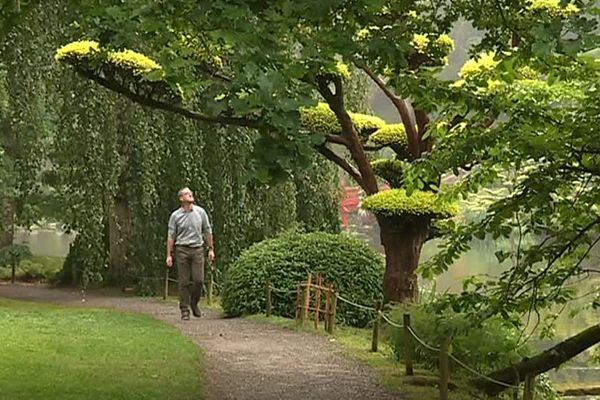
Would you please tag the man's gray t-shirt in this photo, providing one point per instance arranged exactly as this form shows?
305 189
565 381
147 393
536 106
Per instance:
188 227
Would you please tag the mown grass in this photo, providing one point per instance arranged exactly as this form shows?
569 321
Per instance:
356 344
52 352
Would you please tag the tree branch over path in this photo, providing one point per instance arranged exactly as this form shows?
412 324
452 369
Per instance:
161 105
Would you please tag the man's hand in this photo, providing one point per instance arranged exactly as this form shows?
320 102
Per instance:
211 255
169 261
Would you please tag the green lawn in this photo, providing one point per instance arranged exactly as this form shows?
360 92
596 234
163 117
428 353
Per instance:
51 352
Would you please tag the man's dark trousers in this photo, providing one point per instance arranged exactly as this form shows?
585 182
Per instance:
190 268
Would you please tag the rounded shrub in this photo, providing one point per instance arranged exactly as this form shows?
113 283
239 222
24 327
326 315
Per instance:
354 269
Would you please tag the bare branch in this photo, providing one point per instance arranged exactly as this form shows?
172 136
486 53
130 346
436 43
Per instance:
403 109
337 139
343 163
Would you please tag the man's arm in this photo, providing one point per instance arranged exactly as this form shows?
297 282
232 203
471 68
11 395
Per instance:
207 231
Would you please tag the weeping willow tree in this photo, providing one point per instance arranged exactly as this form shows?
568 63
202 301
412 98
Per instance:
115 166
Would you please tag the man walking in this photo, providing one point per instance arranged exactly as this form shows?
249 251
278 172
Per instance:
189 228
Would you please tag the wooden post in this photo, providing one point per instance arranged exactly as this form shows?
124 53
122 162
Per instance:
318 299
306 300
327 308
268 289
298 302
375 337
166 293
444 371
211 285
333 309
529 388
409 344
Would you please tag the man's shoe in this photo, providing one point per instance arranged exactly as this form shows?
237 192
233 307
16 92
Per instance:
185 315
196 311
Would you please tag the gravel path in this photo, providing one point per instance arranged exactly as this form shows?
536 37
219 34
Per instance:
244 360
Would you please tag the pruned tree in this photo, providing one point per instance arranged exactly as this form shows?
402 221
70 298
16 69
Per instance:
257 65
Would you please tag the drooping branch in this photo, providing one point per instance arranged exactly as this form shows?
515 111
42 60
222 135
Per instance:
343 163
403 109
540 363
174 108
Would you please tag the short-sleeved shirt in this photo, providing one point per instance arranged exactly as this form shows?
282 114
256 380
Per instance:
188 227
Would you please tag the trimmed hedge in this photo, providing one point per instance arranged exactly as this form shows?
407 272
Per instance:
396 202
355 270
389 169
320 119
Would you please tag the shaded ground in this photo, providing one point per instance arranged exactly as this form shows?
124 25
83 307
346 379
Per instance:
243 359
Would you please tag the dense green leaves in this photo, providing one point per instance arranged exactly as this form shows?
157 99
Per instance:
397 203
350 265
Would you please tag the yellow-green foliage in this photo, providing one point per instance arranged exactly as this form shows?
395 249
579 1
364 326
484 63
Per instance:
553 7
125 59
320 119
420 42
389 169
343 70
390 135
395 202
131 60
485 62
78 49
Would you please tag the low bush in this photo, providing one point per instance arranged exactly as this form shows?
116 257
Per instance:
485 348
35 268
353 268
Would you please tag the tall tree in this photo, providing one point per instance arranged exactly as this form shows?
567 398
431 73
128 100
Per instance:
256 65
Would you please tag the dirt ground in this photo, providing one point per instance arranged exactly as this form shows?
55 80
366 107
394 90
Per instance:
244 360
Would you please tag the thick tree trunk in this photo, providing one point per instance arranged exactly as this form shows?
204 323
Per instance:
403 244
119 229
543 362
7 223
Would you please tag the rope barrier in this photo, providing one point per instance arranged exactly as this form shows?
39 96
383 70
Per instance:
389 321
421 342
434 349
471 370
354 304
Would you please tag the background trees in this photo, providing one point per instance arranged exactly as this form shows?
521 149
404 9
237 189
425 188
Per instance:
109 169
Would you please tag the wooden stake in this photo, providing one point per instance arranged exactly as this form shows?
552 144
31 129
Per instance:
211 285
333 309
409 344
166 293
298 302
375 337
268 290
529 388
318 299
327 309
444 371
305 311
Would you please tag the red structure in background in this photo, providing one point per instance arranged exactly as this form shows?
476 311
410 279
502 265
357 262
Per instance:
351 202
